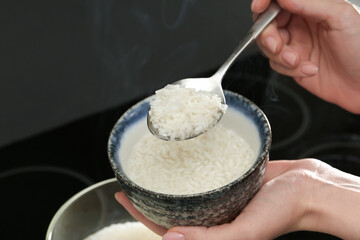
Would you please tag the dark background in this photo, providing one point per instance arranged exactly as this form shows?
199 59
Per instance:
69 69
64 60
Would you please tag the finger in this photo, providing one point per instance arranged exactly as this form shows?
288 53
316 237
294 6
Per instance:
223 232
271 39
283 19
253 222
320 10
250 224
285 38
316 9
265 42
287 58
277 46
300 39
285 35
125 202
246 224
294 57
305 69
258 6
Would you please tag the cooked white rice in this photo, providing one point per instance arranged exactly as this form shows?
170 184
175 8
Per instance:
124 231
179 113
204 163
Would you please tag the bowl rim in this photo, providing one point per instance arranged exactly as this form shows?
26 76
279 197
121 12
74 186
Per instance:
263 156
70 201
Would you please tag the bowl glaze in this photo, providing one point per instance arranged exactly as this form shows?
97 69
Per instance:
209 208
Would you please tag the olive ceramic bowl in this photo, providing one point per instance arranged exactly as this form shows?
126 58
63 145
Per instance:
209 208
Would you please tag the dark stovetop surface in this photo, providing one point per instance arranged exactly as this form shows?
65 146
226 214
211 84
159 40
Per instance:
39 174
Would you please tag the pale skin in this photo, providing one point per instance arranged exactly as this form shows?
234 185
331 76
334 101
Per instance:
317 42
305 194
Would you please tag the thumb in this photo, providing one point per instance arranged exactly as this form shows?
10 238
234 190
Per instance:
255 221
247 227
223 232
321 10
244 226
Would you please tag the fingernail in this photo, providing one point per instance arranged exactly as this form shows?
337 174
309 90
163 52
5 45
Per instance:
309 69
271 44
173 236
289 58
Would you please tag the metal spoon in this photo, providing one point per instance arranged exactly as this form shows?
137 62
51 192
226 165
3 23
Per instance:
213 83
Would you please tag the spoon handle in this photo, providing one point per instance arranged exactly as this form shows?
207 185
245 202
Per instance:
260 23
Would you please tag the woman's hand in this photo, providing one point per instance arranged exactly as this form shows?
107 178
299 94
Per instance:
317 42
296 195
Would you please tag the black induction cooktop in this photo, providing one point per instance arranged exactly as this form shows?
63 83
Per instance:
39 174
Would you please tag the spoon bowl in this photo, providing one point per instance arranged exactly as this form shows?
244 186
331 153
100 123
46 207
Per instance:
213 83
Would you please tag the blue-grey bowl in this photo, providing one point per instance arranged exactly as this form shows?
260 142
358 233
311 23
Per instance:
210 208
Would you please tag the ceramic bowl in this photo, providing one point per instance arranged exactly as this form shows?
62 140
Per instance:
209 208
